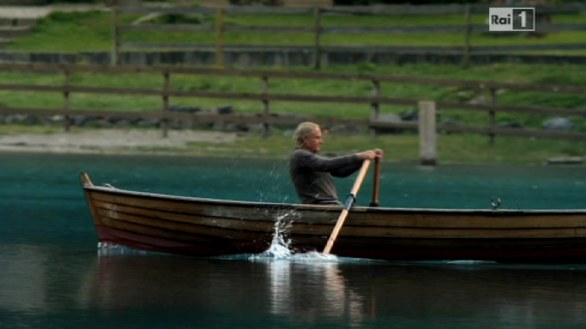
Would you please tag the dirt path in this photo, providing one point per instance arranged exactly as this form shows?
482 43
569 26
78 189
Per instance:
112 141
33 12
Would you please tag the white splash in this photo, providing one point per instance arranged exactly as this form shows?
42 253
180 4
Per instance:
280 248
113 249
280 245
315 257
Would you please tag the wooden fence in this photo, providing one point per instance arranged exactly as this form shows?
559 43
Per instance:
265 115
220 27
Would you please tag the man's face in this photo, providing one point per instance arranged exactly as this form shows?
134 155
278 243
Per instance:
313 141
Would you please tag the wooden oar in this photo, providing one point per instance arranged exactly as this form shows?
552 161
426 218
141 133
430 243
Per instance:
349 202
375 183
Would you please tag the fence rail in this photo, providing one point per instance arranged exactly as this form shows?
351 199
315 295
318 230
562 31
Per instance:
317 29
388 10
286 97
372 102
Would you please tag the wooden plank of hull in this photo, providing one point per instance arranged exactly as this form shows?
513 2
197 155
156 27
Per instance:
215 227
153 239
532 250
449 219
538 251
178 232
361 216
480 225
192 223
191 206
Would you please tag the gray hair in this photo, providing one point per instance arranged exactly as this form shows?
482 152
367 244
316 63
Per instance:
303 130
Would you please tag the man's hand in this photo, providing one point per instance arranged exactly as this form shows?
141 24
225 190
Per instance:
371 154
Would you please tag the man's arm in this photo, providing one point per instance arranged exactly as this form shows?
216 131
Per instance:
341 166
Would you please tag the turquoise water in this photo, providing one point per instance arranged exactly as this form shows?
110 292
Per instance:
52 275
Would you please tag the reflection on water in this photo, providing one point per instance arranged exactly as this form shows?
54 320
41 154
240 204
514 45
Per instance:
23 279
299 291
284 293
311 293
51 277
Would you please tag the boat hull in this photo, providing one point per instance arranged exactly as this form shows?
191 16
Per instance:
208 227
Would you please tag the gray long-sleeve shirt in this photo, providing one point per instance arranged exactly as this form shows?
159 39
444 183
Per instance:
312 175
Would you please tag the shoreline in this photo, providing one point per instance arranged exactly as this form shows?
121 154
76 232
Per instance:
219 144
113 141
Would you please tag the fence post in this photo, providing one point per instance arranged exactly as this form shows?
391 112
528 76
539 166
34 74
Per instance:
427 133
466 57
266 108
317 13
492 116
375 105
165 121
115 60
220 37
66 101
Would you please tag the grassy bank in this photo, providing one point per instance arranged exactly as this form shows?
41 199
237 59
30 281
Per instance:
404 148
531 74
456 148
399 148
92 31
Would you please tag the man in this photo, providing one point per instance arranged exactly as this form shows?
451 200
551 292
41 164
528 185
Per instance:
312 173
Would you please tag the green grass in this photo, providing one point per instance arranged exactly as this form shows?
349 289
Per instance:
14 129
399 148
92 31
404 148
532 74
69 32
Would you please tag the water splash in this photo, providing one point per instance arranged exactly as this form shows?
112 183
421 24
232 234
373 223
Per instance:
315 257
280 248
470 262
113 249
270 187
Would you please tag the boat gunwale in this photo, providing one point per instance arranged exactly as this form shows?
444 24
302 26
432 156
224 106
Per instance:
315 207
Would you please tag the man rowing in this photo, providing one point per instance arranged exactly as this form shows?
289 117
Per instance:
312 173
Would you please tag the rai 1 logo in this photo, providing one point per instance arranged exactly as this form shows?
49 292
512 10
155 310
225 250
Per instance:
503 19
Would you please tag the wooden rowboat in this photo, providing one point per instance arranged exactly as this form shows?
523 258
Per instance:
211 227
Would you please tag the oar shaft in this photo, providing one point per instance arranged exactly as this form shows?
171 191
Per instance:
347 206
376 183
336 231
360 178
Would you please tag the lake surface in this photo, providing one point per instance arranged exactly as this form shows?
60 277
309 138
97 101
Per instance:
53 275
